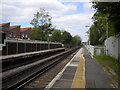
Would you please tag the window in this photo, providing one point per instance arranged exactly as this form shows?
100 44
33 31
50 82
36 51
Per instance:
23 36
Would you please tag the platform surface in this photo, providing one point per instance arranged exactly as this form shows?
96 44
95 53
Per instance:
96 77
67 77
27 53
81 72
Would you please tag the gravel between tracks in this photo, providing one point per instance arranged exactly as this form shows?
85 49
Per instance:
43 80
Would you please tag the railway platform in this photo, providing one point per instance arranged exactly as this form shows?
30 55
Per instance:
27 54
81 72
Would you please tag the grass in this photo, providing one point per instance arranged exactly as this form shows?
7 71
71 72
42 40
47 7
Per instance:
111 65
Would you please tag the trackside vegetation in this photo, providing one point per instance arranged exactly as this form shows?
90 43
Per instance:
111 65
43 30
106 12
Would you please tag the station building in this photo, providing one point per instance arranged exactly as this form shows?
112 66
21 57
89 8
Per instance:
5 27
26 33
16 31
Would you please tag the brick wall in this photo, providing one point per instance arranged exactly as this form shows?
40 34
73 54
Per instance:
6 29
27 32
16 32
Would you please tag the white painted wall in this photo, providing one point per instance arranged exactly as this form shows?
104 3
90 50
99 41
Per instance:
0 50
90 49
113 47
98 51
95 50
112 44
1 47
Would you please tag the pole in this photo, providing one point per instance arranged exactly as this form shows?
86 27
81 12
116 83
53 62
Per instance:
106 36
49 40
106 33
89 41
17 48
24 46
7 48
106 29
48 43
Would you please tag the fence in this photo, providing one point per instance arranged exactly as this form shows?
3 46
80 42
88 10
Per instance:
95 50
113 47
14 46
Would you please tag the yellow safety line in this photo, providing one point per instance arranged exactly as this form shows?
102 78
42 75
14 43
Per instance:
79 79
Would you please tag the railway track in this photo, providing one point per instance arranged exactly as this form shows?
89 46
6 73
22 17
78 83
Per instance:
18 77
43 80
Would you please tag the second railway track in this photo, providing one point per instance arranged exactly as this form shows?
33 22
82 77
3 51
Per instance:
20 76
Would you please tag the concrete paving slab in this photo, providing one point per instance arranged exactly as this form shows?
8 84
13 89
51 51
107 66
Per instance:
76 59
68 76
62 83
74 64
70 69
64 79
60 88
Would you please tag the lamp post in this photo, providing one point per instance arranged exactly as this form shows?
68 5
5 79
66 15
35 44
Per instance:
106 30
49 40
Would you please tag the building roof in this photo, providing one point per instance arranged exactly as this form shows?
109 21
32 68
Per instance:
12 27
4 24
24 29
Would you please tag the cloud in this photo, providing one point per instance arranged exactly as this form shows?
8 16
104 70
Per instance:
80 32
23 8
87 7
22 11
75 23
74 20
75 0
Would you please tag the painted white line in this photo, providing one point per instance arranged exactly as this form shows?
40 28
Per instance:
91 56
58 76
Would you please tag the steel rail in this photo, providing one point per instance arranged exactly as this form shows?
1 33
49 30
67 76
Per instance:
30 77
26 59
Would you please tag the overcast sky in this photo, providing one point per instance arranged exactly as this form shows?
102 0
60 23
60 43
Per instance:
70 15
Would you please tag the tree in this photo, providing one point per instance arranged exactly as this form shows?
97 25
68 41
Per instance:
38 34
56 36
76 40
41 18
66 37
111 10
95 35
42 23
